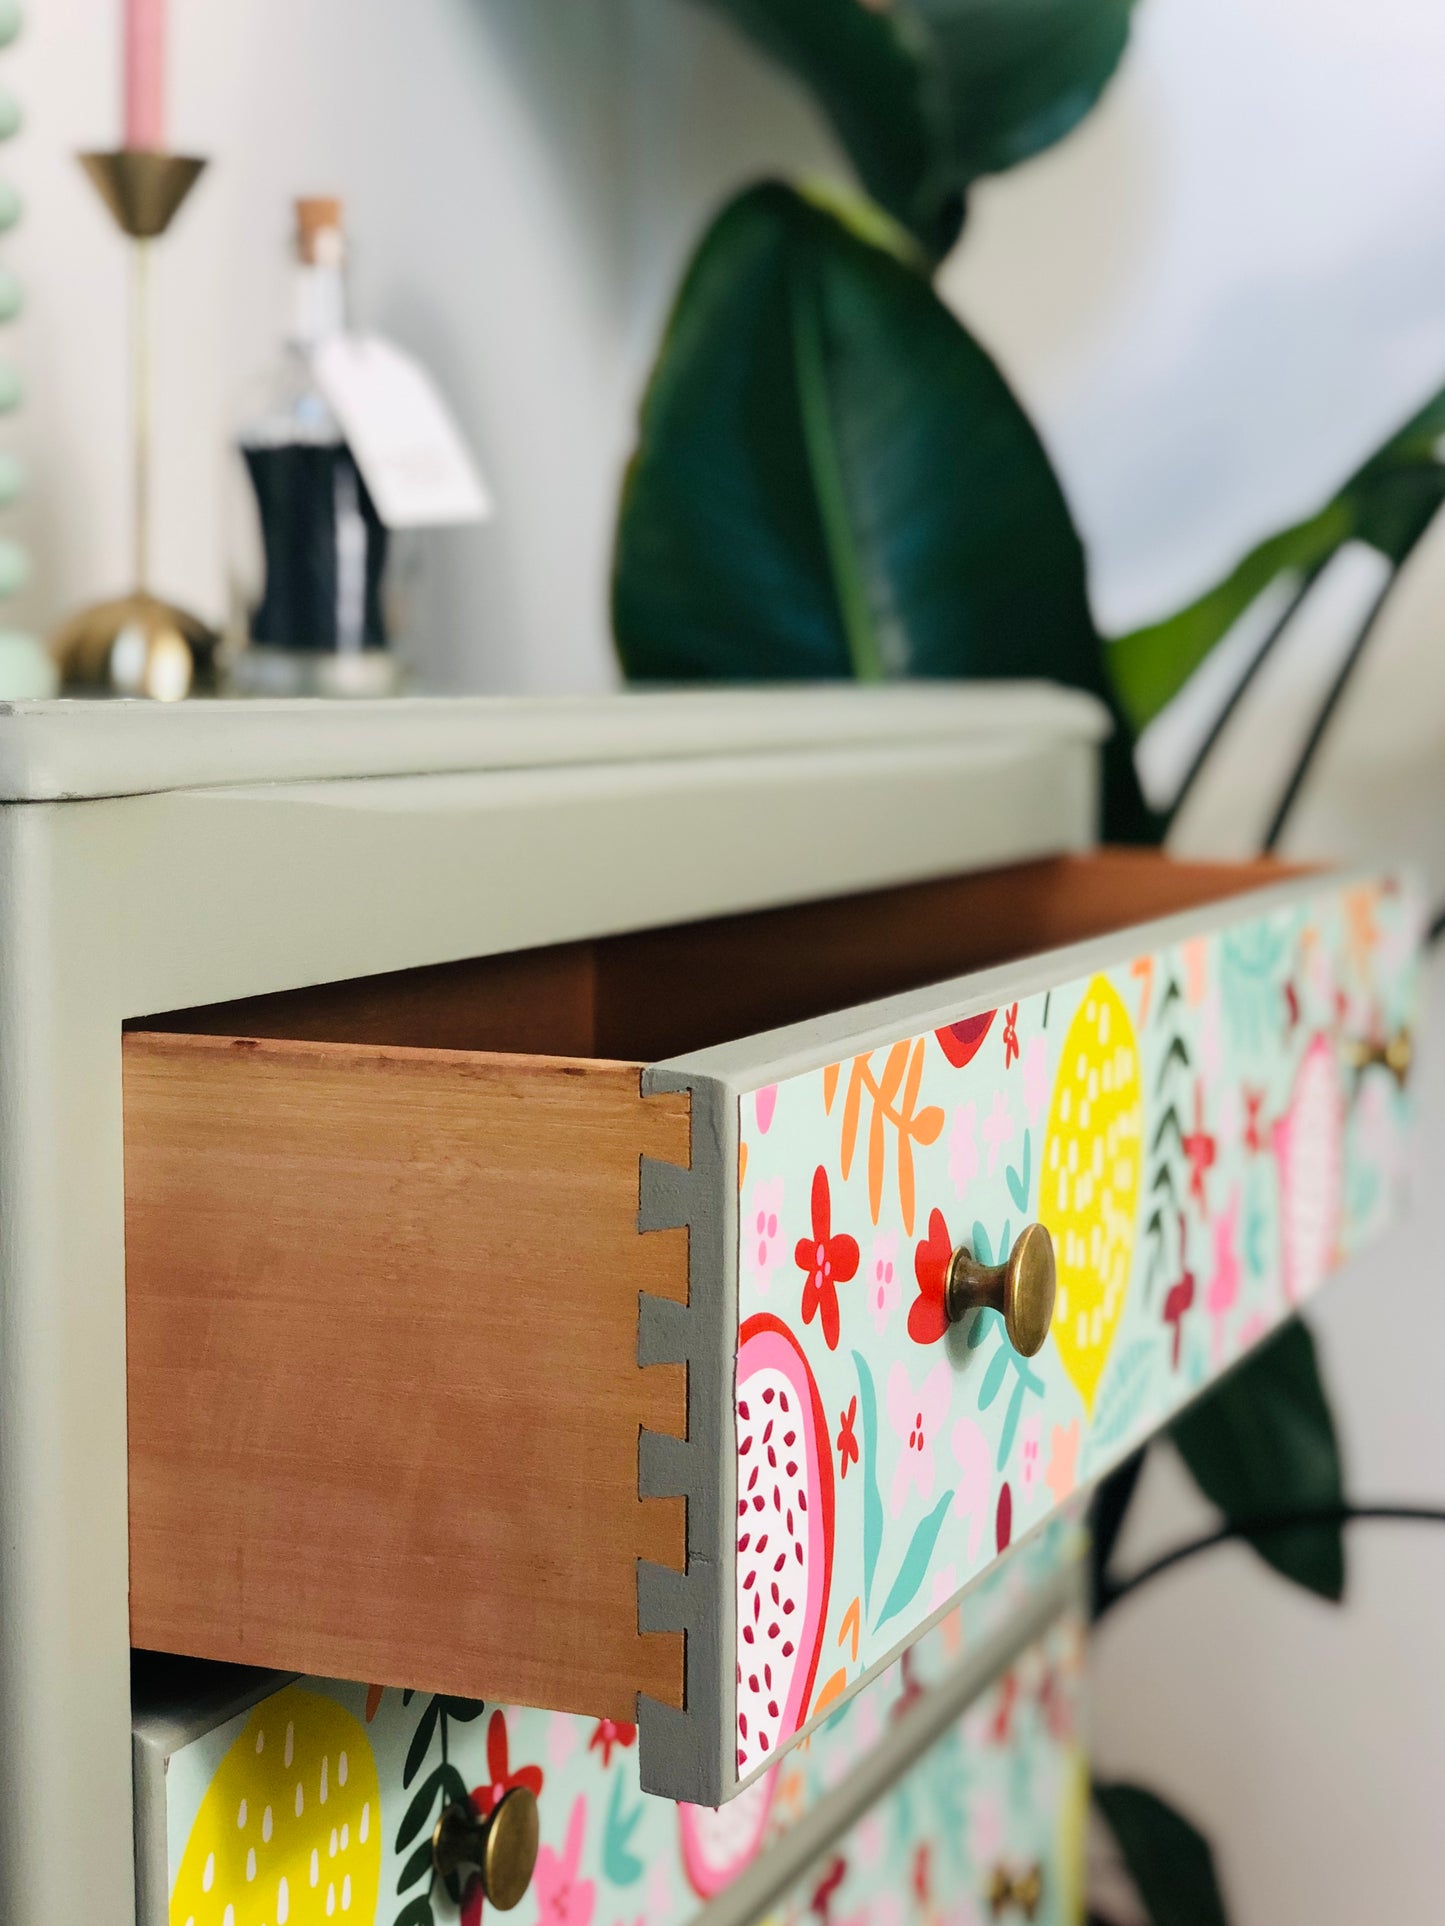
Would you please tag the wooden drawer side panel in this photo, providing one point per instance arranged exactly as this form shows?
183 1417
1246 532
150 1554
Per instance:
382 1321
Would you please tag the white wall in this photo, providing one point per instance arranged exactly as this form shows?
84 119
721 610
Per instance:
1216 297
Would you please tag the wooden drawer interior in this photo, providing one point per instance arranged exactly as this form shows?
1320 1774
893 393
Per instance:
383 1270
653 994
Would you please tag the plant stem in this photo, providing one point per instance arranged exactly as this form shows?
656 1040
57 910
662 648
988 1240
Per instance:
1260 1527
1241 688
1341 683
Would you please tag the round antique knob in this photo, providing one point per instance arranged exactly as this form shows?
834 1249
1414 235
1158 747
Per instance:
1023 1288
502 1846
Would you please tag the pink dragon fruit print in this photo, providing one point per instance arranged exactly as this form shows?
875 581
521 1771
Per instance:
1207 1128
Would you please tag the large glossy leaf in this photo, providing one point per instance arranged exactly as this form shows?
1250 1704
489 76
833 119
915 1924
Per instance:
834 480
1262 1443
927 95
1387 503
1169 1860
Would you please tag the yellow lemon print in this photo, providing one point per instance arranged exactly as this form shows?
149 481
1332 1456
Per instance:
289 1832
1089 1180
1073 1835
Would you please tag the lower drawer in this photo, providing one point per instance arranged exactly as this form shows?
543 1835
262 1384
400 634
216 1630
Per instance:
987 1825
268 1802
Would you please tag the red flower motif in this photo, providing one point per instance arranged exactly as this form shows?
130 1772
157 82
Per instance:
827 1262
488 1797
609 1733
822 1901
1179 1298
1199 1148
847 1443
1254 1136
960 1042
927 1319
1004 1518
922 1873
1010 1034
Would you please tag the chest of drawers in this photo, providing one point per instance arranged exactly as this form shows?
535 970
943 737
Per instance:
449 1150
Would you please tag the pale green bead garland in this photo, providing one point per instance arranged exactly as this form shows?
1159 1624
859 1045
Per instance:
25 667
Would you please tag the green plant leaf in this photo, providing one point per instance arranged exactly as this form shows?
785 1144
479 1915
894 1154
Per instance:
444 1779
872 1499
927 95
833 480
1169 1860
420 1742
1387 503
914 1569
1263 1442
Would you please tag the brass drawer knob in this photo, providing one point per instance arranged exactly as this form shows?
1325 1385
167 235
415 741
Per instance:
1022 1289
502 1846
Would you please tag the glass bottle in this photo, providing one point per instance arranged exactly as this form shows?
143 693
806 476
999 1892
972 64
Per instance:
315 616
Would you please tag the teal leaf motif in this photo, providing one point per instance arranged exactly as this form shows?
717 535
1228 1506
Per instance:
1124 1395
621 1865
914 1569
981 1247
983 1323
872 1501
993 1378
1011 1422
1018 1181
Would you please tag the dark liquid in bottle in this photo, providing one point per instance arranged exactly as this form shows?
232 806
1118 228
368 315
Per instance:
324 546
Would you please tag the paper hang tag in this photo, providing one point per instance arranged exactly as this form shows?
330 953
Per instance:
417 469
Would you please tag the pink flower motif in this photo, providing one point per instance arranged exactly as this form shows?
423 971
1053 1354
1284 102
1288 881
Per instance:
1211 1042
1036 1077
973 1494
869 1841
762 1246
561 1739
1223 1292
917 1415
1063 1473
562 1898
945 1584
884 1290
765 1102
963 1148
1251 1331
985 1827
1030 1446
998 1129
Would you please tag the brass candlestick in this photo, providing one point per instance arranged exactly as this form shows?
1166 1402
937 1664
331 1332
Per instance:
137 644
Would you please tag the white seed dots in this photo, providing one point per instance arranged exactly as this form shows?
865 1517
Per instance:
290 1742
250 1865
300 1799
315 1866
208 1874
266 1827
241 1816
283 1901
341 1770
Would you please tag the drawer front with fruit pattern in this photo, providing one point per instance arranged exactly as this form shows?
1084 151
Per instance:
504 1333
279 1803
987 1826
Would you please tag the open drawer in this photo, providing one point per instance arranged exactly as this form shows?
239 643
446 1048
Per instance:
500 1330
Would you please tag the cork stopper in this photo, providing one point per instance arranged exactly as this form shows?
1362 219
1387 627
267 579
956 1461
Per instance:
319 241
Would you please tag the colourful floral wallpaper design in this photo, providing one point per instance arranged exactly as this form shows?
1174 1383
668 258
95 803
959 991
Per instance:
1206 1131
318 1805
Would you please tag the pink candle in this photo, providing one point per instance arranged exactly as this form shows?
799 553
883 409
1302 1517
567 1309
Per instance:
145 73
